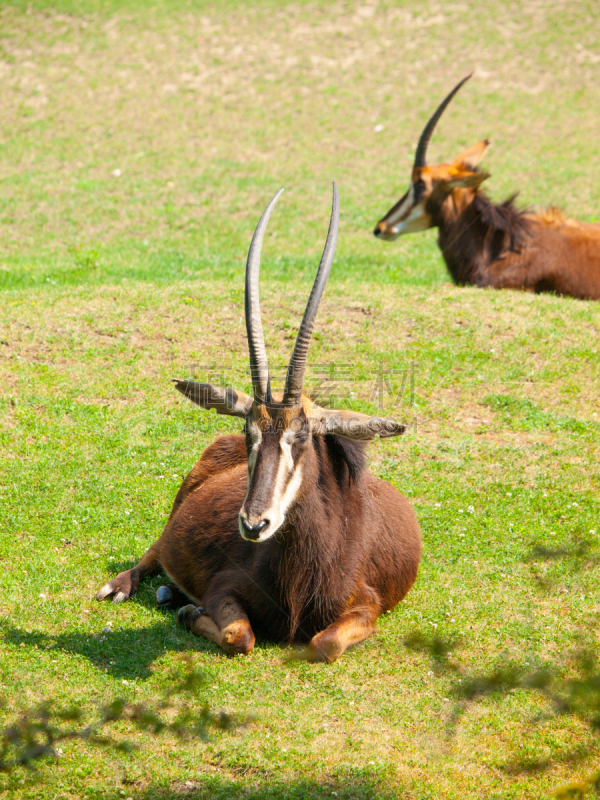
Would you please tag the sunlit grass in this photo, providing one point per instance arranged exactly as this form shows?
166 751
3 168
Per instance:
114 284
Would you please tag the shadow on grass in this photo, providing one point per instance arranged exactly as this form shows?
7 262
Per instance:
123 653
146 596
126 653
531 765
359 786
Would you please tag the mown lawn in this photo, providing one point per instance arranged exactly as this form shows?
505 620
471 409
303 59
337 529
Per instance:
138 146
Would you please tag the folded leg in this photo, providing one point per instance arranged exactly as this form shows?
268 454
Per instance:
224 622
353 626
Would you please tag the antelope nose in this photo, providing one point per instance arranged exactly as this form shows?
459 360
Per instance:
254 531
377 231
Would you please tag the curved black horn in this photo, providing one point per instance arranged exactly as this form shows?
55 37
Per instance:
259 366
421 154
295 374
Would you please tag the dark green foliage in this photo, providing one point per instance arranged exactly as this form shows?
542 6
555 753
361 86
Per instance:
567 695
39 731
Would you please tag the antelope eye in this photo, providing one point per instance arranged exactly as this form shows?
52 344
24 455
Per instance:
419 188
300 440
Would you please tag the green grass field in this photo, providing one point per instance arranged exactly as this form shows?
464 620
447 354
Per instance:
138 147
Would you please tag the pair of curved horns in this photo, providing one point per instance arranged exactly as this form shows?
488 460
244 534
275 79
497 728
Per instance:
421 154
259 366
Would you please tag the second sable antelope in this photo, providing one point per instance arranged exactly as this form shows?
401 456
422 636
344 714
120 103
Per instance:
281 530
484 244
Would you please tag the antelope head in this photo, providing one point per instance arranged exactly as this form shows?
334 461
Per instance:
280 428
431 185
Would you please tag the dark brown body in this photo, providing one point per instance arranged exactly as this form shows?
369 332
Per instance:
347 553
492 245
282 531
503 248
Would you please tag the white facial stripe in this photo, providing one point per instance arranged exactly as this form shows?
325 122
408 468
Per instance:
282 500
284 489
256 436
404 209
286 449
275 514
252 463
416 213
291 491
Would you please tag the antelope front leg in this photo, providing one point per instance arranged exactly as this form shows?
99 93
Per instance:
126 583
352 627
227 625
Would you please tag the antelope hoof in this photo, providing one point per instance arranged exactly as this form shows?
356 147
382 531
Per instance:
105 591
324 651
120 588
163 597
187 615
171 597
238 642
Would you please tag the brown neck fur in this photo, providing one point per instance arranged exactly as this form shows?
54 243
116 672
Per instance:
474 233
315 535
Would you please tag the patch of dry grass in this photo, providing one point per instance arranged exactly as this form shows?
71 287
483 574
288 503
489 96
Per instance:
204 113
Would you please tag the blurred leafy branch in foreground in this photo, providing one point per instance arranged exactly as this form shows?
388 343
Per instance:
39 732
577 695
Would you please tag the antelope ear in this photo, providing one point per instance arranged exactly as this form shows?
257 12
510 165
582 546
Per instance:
466 180
471 157
353 424
226 401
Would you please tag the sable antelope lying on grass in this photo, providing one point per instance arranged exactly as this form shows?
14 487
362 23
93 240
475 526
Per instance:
493 245
282 530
